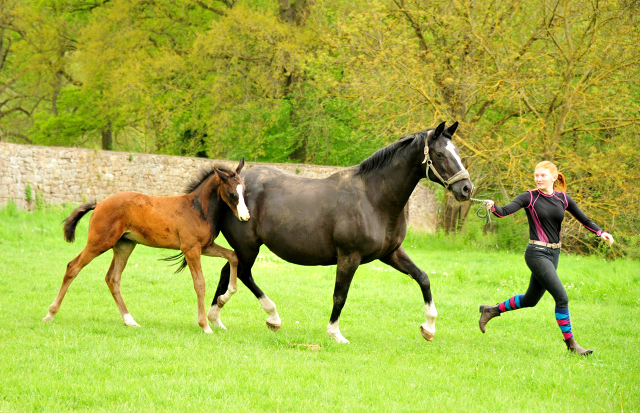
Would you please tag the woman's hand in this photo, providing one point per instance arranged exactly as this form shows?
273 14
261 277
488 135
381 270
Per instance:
607 237
490 204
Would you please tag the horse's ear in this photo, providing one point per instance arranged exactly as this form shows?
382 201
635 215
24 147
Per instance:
452 129
222 175
240 165
437 132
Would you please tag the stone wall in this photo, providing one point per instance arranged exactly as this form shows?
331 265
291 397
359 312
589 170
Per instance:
63 175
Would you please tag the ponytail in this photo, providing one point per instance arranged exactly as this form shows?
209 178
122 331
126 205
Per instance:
560 183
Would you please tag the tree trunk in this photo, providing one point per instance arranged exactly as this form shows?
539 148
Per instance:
107 138
296 14
454 213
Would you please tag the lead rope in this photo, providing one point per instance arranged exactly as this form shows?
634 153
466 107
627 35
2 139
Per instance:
483 211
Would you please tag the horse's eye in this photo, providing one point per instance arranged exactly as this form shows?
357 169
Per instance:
439 155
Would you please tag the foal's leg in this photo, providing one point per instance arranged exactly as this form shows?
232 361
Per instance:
121 252
401 262
73 268
217 251
192 255
347 266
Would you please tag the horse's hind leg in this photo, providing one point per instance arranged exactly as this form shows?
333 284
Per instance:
73 268
192 255
232 286
121 252
401 262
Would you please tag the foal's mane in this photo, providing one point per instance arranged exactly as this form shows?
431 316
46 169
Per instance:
383 157
204 174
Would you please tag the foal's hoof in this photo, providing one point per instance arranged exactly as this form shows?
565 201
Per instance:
273 327
48 318
426 334
129 321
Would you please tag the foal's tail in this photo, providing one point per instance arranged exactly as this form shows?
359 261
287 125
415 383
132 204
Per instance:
71 221
181 265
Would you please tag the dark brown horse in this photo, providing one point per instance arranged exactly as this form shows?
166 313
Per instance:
186 222
352 217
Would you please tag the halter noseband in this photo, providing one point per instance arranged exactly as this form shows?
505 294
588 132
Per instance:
462 174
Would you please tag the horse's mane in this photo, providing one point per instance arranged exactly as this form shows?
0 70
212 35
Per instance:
204 174
383 156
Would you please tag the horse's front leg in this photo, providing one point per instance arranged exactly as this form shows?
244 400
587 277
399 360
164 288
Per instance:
346 268
401 262
192 255
232 286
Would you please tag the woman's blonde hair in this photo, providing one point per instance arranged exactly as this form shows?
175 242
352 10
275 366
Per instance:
560 183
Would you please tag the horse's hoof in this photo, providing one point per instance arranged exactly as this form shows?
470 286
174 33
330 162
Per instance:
219 325
47 318
340 339
129 321
273 327
207 330
427 335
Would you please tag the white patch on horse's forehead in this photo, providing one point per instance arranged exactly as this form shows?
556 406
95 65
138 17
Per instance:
452 148
243 211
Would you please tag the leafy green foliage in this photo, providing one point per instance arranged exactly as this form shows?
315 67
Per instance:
223 79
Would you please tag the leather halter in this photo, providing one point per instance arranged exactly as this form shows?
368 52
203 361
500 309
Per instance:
462 174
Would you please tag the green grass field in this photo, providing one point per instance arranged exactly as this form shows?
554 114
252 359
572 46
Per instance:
87 360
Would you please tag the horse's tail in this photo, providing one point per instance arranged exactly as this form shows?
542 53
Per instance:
71 221
177 257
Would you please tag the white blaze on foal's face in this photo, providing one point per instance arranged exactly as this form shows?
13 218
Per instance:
243 212
452 148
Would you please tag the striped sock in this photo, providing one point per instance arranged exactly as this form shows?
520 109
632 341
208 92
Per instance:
564 322
512 303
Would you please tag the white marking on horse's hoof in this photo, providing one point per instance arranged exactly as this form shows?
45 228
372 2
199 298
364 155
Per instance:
339 338
269 307
273 327
207 330
428 328
129 321
427 334
214 316
334 332
219 325
48 318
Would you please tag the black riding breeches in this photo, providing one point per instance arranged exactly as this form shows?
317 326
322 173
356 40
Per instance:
543 263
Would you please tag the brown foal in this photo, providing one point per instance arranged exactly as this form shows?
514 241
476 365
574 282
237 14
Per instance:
188 223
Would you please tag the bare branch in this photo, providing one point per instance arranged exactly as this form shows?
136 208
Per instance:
211 9
20 136
622 124
414 24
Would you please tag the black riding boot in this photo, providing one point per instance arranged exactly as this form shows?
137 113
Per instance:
488 312
573 346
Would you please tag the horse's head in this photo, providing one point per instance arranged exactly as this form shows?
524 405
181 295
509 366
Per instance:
442 163
232 191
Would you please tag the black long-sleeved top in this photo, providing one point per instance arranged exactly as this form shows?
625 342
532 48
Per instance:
545 214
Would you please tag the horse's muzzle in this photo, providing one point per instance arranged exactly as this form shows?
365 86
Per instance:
462 190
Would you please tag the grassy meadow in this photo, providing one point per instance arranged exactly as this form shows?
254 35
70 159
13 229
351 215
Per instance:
87 360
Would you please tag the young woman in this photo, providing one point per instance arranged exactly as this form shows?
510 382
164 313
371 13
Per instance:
545 211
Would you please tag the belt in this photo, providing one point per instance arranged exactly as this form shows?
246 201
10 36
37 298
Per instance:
545 244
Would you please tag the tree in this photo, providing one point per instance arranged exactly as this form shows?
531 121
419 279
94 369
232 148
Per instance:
527 82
